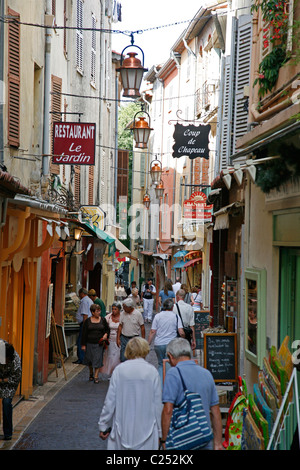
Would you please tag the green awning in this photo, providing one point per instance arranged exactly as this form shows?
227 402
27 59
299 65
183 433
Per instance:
97 232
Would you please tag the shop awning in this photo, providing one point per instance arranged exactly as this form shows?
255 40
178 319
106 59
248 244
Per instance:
180 253
192 255
192 262
222 216
119 245
179 265
147 253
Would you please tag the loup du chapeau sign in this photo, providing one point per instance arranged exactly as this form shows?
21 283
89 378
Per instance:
191 141
74 143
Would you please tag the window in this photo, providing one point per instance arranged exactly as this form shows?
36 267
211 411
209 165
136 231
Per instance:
14 80
255 313
56 87
79 37
93 51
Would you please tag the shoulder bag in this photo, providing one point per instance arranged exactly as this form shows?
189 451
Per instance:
188 332
189 429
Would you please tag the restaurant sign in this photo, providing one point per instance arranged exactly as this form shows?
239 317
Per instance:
74 143
195 207
191 141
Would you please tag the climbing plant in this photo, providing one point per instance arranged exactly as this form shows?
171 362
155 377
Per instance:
275 18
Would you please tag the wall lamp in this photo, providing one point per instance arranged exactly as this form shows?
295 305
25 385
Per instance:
131 71
141 130
78 233
155 171
159 189
146 201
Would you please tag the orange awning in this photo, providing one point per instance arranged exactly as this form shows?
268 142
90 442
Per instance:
192 262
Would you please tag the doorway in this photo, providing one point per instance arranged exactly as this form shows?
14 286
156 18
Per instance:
289 313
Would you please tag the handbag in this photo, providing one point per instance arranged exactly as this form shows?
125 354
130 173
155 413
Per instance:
188 332
189 429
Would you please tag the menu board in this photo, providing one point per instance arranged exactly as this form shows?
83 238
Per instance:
201 323
220 356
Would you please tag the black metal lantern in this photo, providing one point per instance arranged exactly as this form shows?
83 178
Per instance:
156 171
132 71
141 131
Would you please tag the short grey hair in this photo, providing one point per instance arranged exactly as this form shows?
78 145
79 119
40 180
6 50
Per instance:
181 293
168 304
129 302
178 347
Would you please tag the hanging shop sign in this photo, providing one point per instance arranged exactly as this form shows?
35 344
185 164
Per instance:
191 141
74 143
195 207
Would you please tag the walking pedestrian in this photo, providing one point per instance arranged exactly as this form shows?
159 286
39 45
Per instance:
196 298
111 355
134 425
148 293
82 314
187 315
135 296
96 300
131 324
10 376
177 285
166 293
187 297
197 380
95 329
164 328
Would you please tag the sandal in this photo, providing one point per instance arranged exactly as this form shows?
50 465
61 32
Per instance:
96 380
91 378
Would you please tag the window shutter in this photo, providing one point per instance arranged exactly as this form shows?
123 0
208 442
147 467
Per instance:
243 62
14 80
77 183
79 36
93 51
56 87
91 185
122 175
228 97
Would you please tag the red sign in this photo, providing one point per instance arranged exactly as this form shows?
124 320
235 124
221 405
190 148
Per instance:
195 207
74 143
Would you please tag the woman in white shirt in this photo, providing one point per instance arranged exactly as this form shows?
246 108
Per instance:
164 327
133 384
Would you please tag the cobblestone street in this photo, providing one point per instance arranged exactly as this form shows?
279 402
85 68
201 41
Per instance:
63 415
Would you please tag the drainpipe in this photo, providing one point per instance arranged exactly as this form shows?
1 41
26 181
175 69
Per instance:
101 102
47 89
2 83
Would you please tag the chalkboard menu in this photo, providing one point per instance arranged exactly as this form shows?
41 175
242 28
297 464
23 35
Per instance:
220 356
201 323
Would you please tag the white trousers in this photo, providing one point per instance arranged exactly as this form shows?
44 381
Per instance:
148 308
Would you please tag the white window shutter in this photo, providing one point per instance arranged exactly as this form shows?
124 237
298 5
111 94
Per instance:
243 61
79 36
227 105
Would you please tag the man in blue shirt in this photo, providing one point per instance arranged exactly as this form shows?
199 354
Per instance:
197 379
82 314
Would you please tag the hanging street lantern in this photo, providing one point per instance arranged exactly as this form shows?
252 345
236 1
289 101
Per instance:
132 71
156 171
146 201
141 131
159 190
